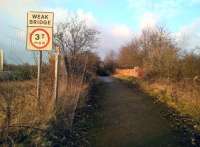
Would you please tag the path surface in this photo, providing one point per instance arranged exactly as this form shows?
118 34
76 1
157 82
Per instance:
128 118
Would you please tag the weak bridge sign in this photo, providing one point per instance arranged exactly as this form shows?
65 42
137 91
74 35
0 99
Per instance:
39 30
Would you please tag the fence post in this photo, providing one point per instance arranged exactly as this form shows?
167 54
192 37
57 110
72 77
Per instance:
56 82
39 77
1 60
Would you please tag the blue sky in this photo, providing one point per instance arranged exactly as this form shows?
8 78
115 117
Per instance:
118 21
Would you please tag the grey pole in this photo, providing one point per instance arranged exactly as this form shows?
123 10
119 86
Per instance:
39 77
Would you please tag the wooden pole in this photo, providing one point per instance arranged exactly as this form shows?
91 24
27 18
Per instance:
39 77
1 60
57 63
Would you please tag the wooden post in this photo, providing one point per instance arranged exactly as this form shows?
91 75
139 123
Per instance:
57 63
39 77
1 60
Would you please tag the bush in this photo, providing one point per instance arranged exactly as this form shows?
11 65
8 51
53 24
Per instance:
19 72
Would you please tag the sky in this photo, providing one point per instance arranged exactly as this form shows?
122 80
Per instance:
118 21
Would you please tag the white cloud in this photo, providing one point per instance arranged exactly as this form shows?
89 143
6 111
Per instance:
195 1
149 20
122 31
153 12
113 37
162 10
17 8
88 17
60 14
189 36
163 7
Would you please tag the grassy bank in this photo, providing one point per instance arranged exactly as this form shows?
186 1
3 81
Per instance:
180 97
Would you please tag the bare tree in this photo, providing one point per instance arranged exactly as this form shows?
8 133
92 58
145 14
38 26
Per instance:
75 38
130 55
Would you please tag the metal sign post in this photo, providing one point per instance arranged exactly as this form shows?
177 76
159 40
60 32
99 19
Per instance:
38 76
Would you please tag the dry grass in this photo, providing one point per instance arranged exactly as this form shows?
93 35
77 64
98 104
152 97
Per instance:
19 107
20 99
183 96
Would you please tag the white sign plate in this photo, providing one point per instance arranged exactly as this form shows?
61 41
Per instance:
39 31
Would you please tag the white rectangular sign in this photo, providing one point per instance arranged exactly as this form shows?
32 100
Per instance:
39 30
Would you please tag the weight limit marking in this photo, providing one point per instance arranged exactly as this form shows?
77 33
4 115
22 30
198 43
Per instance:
38 37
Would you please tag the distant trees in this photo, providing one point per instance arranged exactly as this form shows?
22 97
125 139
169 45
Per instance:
18 72
157 52
190 65
110 62
130 55
93 62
